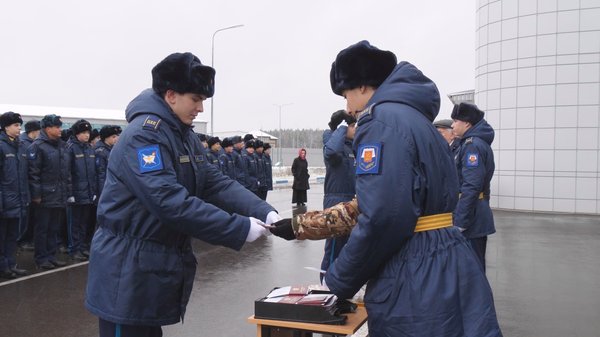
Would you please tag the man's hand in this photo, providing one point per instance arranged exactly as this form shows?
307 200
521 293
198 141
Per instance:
336 118
283 229
272 217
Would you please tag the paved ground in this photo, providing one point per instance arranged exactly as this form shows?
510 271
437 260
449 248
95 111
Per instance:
544 269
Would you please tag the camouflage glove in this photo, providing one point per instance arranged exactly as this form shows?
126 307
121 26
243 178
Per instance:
283 229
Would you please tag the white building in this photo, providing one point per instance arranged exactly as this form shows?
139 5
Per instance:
538 79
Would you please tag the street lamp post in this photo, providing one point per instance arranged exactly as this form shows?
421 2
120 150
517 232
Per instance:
280 142
212 64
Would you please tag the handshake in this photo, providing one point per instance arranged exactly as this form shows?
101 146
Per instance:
339 116
273 224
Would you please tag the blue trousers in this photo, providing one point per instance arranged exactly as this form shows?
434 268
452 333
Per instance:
479 246
110 329
78 221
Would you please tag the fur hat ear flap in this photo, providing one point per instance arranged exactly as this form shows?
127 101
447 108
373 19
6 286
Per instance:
467 112
361 64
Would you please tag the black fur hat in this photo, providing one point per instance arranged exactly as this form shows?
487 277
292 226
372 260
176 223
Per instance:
109 130
65 134
32 125
250 143
467 112
213 140
248 136
202 137
258 143
95 133
50 120
361 64
226 142
9 118
183 73
267 146
236 139
81 126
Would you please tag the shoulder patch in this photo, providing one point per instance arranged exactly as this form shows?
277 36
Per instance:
151 123
150 159
369 158
472 159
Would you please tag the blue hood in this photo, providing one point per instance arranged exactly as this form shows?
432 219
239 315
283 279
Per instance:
407 85
481 130
149 102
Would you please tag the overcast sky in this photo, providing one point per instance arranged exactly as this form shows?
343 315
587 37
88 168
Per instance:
99 54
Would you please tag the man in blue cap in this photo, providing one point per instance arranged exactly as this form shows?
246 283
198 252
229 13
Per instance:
159 194
475 166
423 277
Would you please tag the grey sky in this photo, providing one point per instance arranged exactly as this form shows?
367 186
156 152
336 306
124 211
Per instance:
99 54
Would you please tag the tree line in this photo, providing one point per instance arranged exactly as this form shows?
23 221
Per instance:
293 138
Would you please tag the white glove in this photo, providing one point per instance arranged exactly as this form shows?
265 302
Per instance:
256 230
94 198
272 217
70 200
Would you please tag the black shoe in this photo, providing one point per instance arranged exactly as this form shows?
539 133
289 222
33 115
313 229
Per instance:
58 263
8 274
18 271
79 257
45 265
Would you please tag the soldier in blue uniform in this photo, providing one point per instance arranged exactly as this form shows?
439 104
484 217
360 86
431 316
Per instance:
241 169
340 176
263 188
27 221
213 151
475 166
268 167
159 194
444 127
109 136
423 277
14 192
83 180
251 166
50 187
226 158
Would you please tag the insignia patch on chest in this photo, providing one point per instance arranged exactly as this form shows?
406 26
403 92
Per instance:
150 159
472 159
369 159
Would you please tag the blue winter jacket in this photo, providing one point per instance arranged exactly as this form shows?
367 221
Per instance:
340 178
213 158
419 284
262 174
268 171
14 189
475 166
101 152
241 170
227 164
83 171
49 171
251 171
159 193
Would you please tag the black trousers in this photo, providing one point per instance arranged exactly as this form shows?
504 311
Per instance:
110 329
9 228
26 224
45 234
78 221
479 246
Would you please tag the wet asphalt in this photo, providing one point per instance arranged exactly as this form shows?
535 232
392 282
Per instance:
544 270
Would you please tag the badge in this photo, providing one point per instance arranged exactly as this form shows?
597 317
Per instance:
151 123
32 155
369 159
149 159
472 159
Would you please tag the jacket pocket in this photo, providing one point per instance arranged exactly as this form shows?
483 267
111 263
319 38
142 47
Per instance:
379 290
